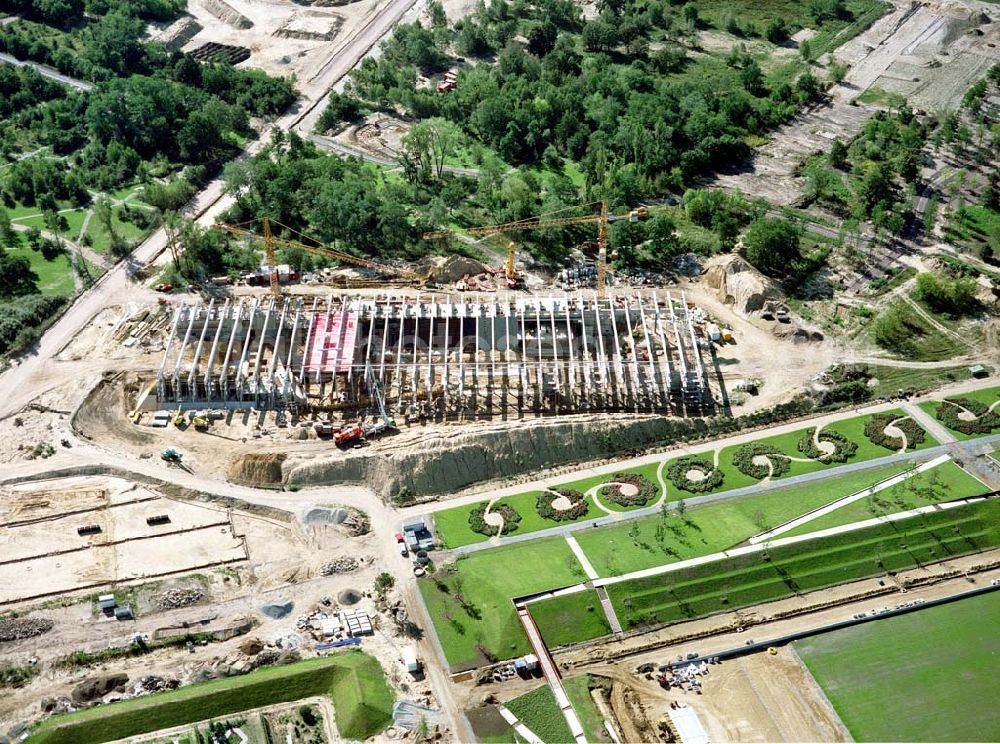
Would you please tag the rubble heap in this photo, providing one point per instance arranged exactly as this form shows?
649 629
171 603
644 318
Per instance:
18 628
339 566
175 598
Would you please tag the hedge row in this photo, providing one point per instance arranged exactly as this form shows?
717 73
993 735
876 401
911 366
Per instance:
510 519
677 473
576 510
743 460
875 431
985 421
647 490
844 448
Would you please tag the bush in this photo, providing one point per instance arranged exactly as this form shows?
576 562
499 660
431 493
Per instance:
743 460
844 448
510 519
613 492
875 431
985 422
578 505
677 473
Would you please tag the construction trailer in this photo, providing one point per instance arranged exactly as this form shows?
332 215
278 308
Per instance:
438 358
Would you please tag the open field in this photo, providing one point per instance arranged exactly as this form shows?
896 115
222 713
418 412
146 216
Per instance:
891 379
353 680
652 541
755 578
570 618
539 712
55 277
487 581
930 675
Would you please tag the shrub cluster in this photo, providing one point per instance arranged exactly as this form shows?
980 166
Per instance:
578 505
875 431
985 421
844 448
510 519
613 492
677 473
743 460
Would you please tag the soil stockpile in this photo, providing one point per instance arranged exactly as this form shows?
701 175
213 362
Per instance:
256 470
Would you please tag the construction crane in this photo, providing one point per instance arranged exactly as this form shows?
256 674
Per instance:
547 220
271 241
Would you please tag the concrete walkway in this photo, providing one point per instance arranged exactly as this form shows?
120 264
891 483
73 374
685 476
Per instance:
523 731
930 423
49 72
609 610
582 557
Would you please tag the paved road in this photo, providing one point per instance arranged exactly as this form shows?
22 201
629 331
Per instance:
46 71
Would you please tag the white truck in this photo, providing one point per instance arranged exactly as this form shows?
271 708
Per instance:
410 660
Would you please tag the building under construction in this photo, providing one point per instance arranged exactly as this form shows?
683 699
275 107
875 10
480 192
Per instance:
477 357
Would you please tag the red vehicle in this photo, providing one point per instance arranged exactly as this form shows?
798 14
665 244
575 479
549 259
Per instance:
163 287
348 435
399 537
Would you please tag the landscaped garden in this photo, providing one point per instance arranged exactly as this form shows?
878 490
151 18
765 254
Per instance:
969 415
923 676
855 439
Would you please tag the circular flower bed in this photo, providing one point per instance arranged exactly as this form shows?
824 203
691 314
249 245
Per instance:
679 469
949 412
875 431
843 448
477 519
644 490
576 509
744 460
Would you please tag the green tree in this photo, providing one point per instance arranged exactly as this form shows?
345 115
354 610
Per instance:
16 276
383 583
426 147
772 246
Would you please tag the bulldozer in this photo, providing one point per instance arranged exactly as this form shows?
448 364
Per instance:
171 455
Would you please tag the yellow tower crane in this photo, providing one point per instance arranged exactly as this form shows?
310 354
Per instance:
271 241
545 221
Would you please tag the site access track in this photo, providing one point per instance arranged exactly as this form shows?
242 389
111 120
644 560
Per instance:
33 375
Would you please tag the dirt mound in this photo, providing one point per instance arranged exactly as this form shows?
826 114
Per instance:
739 284
452 268
227 13
256 470
321 515
97 687
252 646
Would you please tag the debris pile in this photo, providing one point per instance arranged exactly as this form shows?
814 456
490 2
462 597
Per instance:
339 566
279 609
356 524
154 683
172 599
18 628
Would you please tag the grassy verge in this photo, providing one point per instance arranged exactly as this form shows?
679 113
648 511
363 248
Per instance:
470 603
539 712
926 667
353 680
570 618
578 692
665 538
763 577
892 379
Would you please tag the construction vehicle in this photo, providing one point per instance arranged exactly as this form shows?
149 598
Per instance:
352 433
271 241
200 423
171 455
546 221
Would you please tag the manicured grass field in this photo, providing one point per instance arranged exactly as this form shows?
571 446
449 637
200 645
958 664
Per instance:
487 581
539 711
750 579
946 482
55 277
570 618
652 541
353 680
578 691
931 675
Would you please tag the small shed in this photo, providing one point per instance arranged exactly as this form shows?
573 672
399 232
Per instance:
107 603
123 613
979 371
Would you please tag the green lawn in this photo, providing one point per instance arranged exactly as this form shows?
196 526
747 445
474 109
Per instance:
946 482
55 277
539 711
653 541
487 581
927 676
758 577
71 231
570 618
353 680
101 240
578 691
891 379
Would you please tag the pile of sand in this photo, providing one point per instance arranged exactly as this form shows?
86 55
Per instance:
256 470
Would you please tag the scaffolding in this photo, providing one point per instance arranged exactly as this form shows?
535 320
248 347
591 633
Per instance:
471 357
